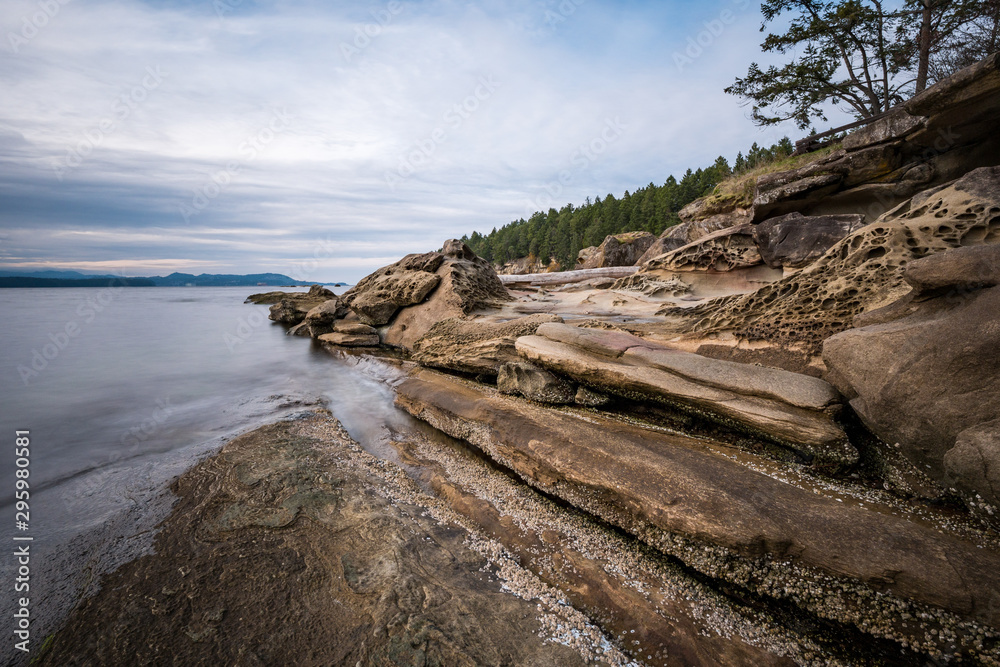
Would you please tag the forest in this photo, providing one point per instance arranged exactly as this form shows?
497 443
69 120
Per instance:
561 234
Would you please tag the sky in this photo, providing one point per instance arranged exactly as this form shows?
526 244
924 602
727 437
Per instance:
324 140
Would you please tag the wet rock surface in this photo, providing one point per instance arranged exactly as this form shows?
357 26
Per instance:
292 546
738 518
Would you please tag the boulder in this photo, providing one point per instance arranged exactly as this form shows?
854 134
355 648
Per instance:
862 272
795 240
475 346
926 373
287 311
316 293
381 294
383 297
689 232
350 340
796 411
618 250
972 466
420 290
353 327
466 285
724 250
731 518
320 319
535 383
966 268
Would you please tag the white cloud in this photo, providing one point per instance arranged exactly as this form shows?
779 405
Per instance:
529 94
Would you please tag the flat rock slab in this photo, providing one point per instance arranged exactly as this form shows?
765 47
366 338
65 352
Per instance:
287 548
646 481
792 409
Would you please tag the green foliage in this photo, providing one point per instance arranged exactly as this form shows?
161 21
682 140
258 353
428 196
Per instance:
842 53
561 234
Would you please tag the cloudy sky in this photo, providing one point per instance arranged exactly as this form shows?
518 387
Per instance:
323 140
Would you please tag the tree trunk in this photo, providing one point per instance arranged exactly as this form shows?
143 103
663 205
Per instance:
925 46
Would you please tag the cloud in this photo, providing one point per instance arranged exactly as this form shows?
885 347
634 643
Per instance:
133 133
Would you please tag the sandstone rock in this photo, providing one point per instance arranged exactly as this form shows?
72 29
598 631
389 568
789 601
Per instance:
895 125
719 516
590 398
652 285
705 207
383 297
860 273
724 250
618 250
964 268
535 383
291 307
353 327
475 346
793 410
316 293
583 257
300 329
321 318
466 285
689 232
973 467
795 240
293 547
922 380
350 339
286 311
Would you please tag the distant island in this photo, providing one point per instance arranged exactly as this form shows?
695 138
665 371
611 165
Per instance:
76 279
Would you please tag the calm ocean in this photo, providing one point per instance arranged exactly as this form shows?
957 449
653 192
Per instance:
124 388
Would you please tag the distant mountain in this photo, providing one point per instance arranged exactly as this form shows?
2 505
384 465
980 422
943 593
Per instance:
224 280
25 278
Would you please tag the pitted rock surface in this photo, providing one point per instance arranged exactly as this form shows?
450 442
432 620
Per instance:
863 271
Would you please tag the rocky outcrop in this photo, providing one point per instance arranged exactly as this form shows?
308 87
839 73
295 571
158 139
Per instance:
928 370
652 285
793 410
291 307
316 293
476 347
732 519
937 136
724 250
681 235
320 320
525 265
795 240
616 250
862 272
294 547
530 381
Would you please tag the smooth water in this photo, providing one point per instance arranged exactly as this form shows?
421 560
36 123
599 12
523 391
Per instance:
124 388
